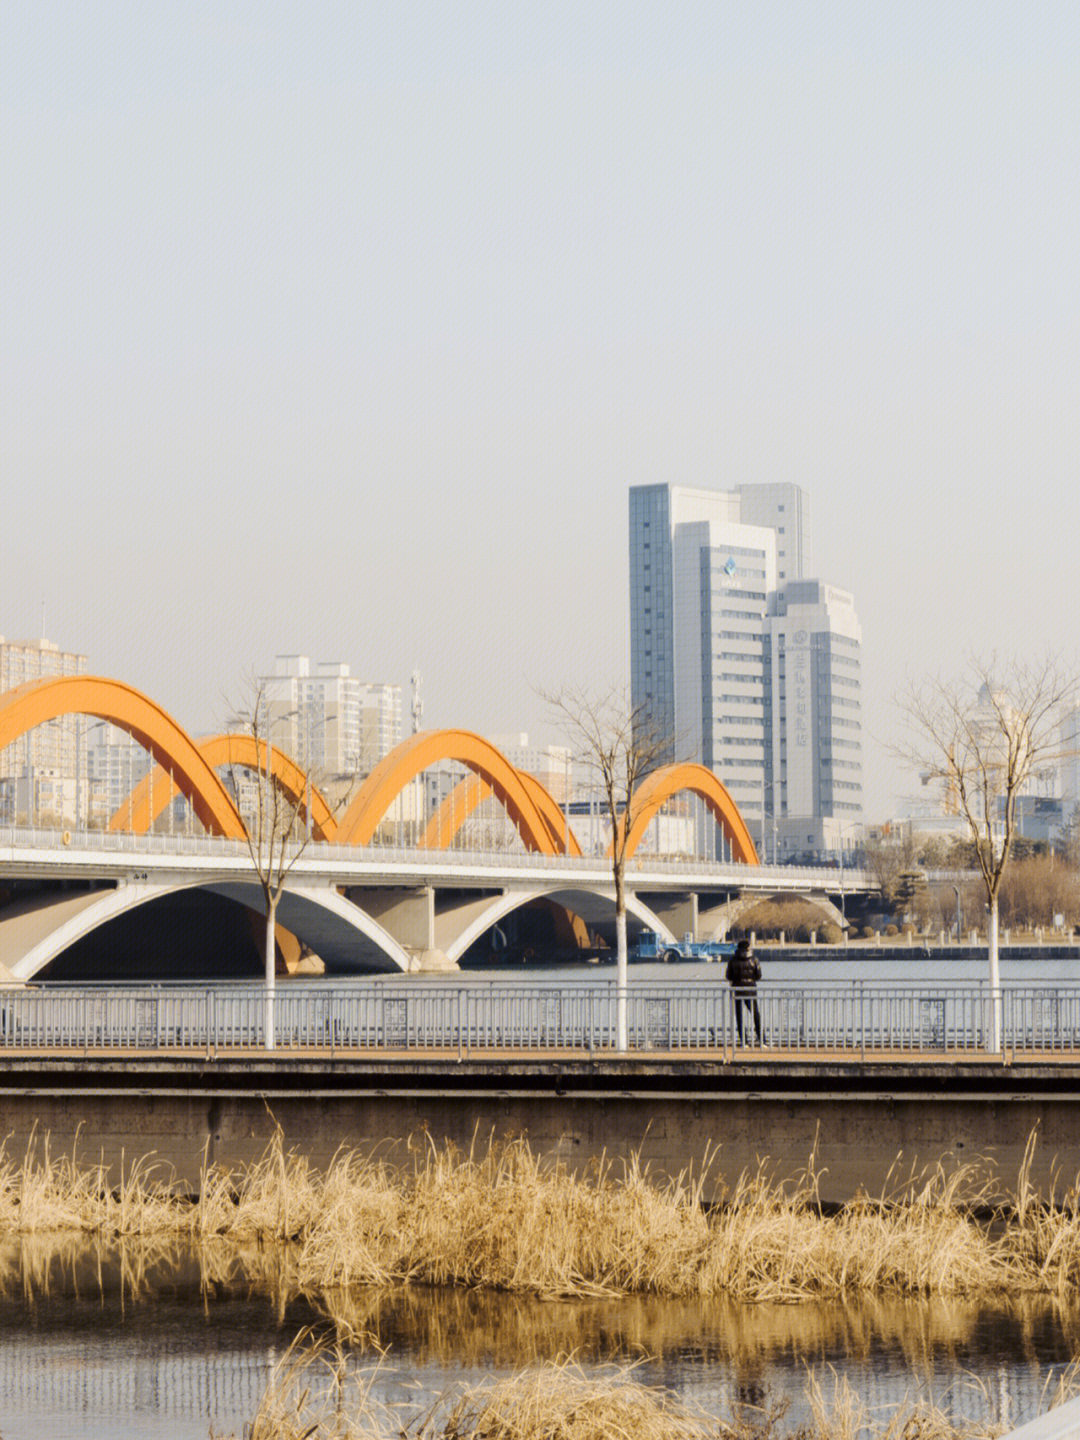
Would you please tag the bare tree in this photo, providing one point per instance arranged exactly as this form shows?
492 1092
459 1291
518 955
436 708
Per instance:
616 745
983 738
277 827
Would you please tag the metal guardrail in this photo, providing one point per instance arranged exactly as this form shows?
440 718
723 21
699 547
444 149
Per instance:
856 1019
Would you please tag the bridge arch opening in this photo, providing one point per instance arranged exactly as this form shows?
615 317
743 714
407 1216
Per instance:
146 930
557 922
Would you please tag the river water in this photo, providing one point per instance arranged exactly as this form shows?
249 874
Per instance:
908 964
133 1345
136 1345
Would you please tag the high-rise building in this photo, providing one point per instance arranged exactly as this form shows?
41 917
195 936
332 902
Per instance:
41 773
717 587
813 687
328 721
784 509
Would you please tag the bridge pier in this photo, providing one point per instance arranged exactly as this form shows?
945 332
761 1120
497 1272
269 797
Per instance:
408 914
678 912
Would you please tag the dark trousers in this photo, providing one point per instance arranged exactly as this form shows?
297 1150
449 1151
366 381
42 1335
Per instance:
746 1000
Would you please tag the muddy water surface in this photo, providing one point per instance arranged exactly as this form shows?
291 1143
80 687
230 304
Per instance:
169 1343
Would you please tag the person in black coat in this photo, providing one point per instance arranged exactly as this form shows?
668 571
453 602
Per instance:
743 973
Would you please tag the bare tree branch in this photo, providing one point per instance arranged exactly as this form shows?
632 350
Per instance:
276 837
984 737
615 743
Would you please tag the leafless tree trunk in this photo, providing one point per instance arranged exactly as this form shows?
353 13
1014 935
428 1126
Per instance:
613 743
983 738
275 833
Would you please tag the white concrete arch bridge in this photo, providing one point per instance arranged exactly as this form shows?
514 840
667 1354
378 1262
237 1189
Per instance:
371 908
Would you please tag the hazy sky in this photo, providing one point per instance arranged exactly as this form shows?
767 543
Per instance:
344 328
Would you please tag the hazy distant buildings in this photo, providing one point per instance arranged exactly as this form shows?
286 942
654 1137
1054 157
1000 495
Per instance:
813 717
115 763
42 772
552 765
326 719
747 665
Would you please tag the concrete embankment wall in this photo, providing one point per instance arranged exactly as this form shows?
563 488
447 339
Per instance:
856 1122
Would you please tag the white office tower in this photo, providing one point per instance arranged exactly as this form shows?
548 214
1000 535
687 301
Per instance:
41 773
328 721
784 509
707 568
813 689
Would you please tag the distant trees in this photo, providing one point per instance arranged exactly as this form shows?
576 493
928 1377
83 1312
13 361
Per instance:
983 738
1036 890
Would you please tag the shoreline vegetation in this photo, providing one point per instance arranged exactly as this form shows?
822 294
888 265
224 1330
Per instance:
500 1217
318 1393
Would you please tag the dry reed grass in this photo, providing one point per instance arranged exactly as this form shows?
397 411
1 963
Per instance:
498 1216
316 1394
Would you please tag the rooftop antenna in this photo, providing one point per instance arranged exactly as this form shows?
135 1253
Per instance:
417 703
43 617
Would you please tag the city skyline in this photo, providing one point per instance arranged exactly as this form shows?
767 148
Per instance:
348 335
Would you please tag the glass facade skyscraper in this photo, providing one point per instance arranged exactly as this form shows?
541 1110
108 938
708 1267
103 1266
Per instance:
742 663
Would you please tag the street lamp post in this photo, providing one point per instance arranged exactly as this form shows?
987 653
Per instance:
844 830
843 904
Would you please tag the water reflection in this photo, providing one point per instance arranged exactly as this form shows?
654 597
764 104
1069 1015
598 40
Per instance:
173 1336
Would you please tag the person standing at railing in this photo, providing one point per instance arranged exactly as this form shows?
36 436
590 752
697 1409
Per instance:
743 973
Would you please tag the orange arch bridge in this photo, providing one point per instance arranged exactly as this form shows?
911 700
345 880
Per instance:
155 791
468 794
409 759
39 701
190 768
671 780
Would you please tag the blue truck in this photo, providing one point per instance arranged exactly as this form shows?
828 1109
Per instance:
648 947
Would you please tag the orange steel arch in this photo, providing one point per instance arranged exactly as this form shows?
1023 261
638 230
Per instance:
662 784
554 818
469 793
413 756
145 721
154 791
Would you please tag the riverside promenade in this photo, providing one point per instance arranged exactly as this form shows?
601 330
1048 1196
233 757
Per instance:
867 1119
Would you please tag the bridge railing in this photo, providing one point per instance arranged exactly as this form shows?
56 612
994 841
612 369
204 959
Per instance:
857 1019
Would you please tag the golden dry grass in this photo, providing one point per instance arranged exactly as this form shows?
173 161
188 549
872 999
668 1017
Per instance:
316 1394
500 1217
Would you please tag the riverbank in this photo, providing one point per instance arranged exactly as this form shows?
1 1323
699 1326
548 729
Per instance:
902 949
497 1216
